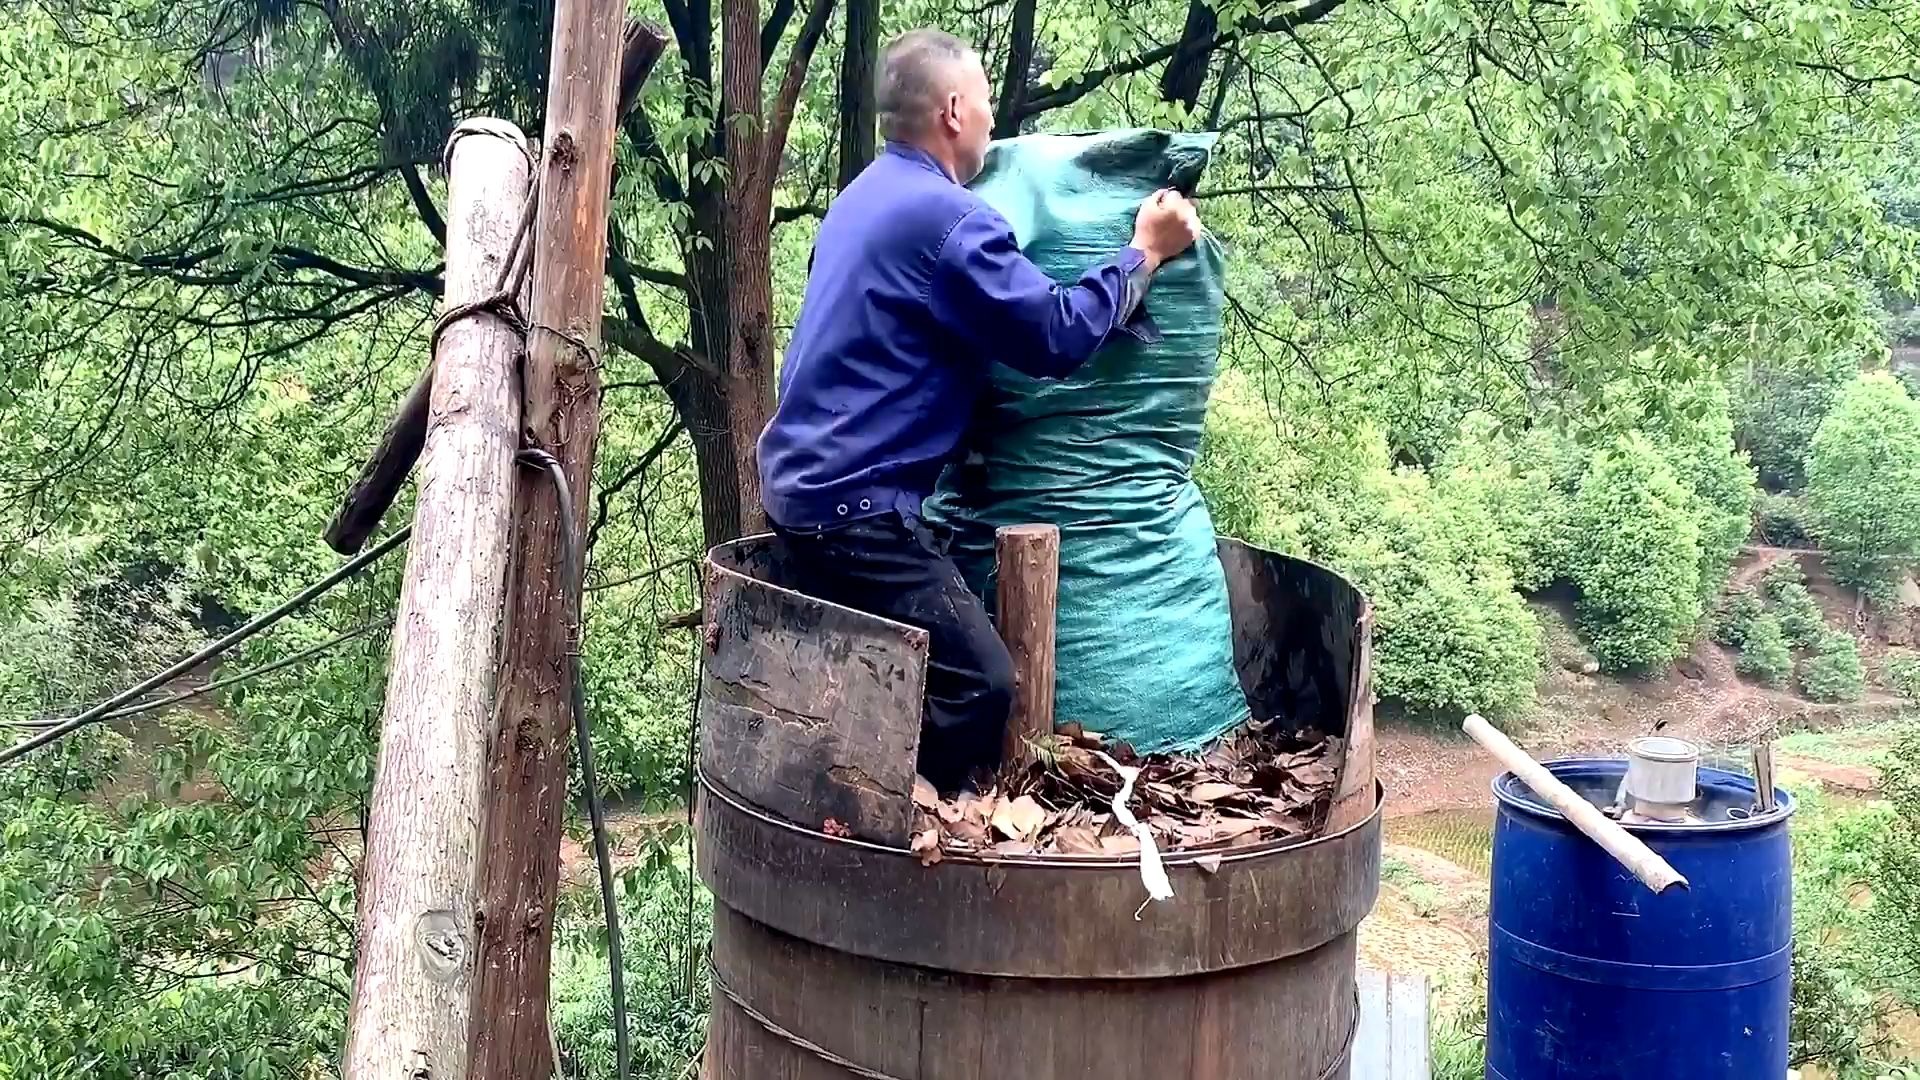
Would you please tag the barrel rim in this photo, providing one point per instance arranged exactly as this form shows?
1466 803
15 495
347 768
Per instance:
712 558
1212 857
884 904
1504 791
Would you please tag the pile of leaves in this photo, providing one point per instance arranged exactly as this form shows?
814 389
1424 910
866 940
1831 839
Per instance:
1252 787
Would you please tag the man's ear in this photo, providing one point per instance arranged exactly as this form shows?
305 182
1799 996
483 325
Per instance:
952 113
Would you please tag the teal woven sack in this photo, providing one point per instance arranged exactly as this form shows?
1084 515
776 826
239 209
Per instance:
1145 645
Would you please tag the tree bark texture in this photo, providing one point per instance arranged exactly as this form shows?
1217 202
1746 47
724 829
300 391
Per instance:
1013 78
1028 559
859 64
747 248
526 780
1186 71
413 977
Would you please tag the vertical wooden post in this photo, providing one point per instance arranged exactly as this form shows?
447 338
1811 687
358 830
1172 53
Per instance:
413 978
527 782
1029 572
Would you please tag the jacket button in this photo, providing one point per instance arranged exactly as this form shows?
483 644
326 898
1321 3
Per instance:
866 504
842 509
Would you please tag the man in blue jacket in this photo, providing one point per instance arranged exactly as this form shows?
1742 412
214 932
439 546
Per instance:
915 284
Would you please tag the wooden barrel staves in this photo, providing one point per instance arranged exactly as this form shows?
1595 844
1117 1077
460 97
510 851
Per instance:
837 954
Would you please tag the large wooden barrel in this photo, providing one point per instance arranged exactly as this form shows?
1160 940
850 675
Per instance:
843 956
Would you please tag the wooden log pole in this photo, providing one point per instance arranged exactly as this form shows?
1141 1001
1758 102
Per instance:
1643 862
373 492
1029 588
413 976
527 763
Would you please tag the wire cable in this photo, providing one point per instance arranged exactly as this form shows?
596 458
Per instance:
300 600
583 736
231 680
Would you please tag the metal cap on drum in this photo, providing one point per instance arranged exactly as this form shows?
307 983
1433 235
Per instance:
1662 771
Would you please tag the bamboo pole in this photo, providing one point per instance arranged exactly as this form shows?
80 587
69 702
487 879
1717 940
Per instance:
413 976
1029 586
1625 847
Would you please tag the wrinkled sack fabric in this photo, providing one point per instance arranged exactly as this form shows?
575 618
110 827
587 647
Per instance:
1144 640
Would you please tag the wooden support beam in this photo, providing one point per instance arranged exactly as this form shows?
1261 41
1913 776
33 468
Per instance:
386 470
1029 573
526 781
413 976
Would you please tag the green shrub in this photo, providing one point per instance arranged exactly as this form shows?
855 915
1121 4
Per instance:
1782 520
1734 618
1863 480
1900 673
1764 655
666 924
1697 439
1452 636
1893 918
1834 1015
1638 564
1800 615
1513 484
1833 674
1459 1048
1779 406
1780 575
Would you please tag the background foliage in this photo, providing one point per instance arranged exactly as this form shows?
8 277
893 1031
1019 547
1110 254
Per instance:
1524 300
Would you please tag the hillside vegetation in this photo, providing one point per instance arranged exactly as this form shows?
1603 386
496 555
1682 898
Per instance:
1539 316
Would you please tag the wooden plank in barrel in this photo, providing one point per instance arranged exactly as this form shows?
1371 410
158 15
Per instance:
1303 645
1353 797
809 711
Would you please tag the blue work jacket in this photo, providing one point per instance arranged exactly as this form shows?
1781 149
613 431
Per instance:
915 287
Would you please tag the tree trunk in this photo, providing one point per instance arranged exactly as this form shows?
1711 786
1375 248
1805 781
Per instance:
413 981
859 64
1013 79
527 768
747 362
1186 71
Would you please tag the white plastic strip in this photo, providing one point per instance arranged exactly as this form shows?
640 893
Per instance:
1152 873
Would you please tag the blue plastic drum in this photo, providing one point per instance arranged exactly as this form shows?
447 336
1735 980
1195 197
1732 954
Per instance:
1593 977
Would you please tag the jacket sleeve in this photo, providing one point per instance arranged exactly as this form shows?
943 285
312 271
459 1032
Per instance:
986 293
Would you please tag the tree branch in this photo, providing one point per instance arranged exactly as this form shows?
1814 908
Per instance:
1075 89
634 472
773 30
423 203
180 265
784 214
669 363
796 75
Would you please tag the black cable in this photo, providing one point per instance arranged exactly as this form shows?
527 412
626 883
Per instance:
306 596
583 735
232 680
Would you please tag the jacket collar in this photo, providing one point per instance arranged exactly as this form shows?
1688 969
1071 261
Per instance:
918 157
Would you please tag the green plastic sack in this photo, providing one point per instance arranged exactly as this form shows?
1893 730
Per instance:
1145 646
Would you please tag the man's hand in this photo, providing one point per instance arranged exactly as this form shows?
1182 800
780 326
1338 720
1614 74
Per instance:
1166 226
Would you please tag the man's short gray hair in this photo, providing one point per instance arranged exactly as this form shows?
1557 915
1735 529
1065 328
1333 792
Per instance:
913 78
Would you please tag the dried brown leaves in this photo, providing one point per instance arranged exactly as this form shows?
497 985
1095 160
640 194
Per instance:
1249 788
